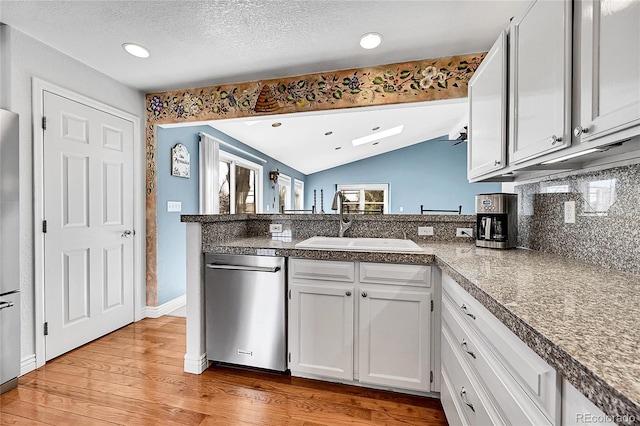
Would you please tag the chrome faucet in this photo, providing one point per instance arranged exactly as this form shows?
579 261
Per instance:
338 199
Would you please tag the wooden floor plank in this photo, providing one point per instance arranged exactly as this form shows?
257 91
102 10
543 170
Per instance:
135 376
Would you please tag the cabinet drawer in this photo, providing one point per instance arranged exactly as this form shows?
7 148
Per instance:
392 273
516 405
326 270
473 404
535 376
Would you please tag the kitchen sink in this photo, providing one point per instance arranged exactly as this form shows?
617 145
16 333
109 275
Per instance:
360 244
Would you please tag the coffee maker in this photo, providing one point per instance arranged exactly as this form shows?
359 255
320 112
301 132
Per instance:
496 220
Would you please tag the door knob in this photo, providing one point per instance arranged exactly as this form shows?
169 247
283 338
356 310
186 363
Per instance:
126 234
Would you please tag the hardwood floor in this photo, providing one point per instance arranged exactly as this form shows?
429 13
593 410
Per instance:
134 377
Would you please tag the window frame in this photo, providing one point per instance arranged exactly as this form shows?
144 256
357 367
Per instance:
247 164
298 185
367 187
285 180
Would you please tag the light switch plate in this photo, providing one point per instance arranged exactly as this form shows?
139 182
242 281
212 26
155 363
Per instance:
569 212
174 206
425 230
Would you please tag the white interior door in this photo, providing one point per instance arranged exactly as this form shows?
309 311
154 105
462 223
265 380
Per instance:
88 207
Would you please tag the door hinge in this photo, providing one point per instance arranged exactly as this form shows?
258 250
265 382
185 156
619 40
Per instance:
289 356
432 306
289 294
44 226
430 376
46 328
44 123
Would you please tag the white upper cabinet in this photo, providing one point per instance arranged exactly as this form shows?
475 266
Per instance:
487 144
610 72
540 80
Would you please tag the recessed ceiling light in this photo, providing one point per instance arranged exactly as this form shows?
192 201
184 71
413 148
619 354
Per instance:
276 124
370 40
328 133
136 50
376 128
384 134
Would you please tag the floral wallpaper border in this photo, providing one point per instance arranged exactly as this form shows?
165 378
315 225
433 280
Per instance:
418 81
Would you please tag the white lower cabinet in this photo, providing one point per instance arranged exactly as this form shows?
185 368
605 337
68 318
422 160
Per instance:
487 372
578 410
394 332
321 330
373 326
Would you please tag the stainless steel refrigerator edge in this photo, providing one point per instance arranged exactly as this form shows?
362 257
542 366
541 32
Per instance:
245 310
9 252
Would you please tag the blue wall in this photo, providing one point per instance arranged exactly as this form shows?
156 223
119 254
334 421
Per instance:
171 232
433 173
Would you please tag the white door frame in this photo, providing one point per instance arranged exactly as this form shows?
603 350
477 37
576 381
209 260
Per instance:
139 269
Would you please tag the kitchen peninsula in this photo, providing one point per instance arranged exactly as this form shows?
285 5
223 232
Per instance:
579 318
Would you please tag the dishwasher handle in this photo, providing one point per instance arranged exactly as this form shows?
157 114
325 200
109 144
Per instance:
271 269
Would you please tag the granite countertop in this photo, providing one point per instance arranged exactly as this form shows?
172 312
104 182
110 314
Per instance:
581 319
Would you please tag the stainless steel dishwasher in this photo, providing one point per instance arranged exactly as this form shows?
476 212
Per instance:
245 309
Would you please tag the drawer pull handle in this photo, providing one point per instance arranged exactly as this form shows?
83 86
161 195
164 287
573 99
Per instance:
463 396
464 348
364 294
464 308
348 293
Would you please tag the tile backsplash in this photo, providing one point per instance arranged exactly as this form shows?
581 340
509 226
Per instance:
606 231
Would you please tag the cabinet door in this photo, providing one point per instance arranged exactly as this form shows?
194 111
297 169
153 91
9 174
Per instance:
610 70
487 145
394 337
321 330
540 80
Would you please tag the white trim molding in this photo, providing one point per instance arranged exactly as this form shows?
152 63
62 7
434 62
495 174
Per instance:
165 308
195 365
38 87
28 364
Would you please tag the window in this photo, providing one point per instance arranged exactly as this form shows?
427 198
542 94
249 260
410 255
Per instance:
239 185
284 192
298 195
365 198
599 196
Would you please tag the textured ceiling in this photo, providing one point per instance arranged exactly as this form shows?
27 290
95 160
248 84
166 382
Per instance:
195 43
199 43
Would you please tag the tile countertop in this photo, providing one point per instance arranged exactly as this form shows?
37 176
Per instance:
582 319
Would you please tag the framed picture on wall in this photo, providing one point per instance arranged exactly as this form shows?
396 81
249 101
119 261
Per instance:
180 161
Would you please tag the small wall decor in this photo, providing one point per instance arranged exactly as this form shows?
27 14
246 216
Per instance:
273 176
180 161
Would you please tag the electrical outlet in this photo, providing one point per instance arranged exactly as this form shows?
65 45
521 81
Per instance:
275 227
569 212
174 206
464 232
425 230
